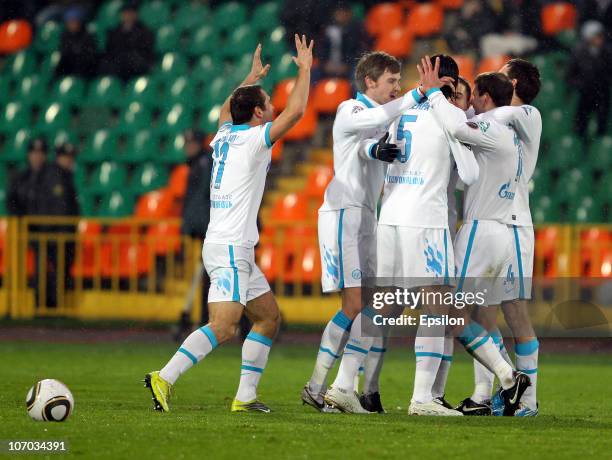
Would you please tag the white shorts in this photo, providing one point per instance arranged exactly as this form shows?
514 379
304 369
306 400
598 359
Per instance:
234 276
347 242
483 255
521 269
411 257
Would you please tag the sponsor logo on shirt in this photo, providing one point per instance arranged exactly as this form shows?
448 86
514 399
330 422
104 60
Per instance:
505 193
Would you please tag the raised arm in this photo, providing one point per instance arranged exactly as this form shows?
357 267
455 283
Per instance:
296 104
525 119
257 72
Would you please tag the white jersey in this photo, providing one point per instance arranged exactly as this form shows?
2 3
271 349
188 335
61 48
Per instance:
498 152
527 122
358 178
242 156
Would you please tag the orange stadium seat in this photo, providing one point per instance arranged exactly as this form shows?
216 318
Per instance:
268 261
467 66
450 4
317 181
15 34
306 127
281 93
425 19
277 150
383 16
329 93
546 249
177 183
557 17
88 237
164 237
292 207
154 205
125 259
396 41
492 63
595 244
304 265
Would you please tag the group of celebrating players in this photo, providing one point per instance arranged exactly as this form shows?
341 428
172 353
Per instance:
410 153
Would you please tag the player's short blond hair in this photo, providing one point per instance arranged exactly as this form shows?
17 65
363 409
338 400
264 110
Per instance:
373 64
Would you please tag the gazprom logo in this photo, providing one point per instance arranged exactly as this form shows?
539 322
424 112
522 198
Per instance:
504 192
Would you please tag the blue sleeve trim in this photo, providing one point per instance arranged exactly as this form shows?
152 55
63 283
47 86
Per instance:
370 151
527 348
255 337
267 134
431 91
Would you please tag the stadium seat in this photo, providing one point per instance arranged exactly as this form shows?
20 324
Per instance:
209 121
556 124
545 210
105 92
32 91
600 153
605 189
167 39
268 260
587 209
575 183
147 177
172 65
275 44
101 146
567 152
450 4
557 17
382 17
174 152
62 137
277 150
204 41
15 34
14 117
329 93
135 117
181 91
317 181
125 259
155 14
239 42
163 238
154 205
291 207
108 176
283 69
54 117
396 41
191 15
281 94
117 204
5 89
467 66
306 127
425 20
203 71
15 146
21 64
69 91
594 244
265 16
218 90
492 63
48 37
176 119
141 146
108 14
177 184
142 90
229 16
49 64
86 263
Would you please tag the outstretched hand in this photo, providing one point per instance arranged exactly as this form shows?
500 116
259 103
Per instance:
304 52
258 70
428 74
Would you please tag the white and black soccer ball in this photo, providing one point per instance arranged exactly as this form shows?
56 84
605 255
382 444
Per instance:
50 401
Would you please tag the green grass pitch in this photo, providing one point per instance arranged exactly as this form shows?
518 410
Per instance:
114 416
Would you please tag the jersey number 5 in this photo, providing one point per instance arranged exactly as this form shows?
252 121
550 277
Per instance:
403 133
220 156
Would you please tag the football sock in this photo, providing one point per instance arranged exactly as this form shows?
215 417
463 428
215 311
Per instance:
255 350
428 349
439 385
333 340
527 362
193 350
355 353
483 378
373 365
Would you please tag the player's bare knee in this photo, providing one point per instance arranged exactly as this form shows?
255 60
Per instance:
223 330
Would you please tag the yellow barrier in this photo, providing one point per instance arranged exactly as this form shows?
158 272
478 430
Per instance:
142 269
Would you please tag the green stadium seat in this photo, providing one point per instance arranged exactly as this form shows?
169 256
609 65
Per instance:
5 89
3 201
105 92
265 16
190 15
143 90
275 45
176 119
174 152
142 146
14 116
567 38
93 118
203 71
574 184
218 90
107 177
284 69
117 204
600 153
21 64
565 151
62 137
230 15
155 14
209 122
167 39
53 117
587 210
604 190
87 203
15 147
149 177
69 91
540 181
49 64
108 14
32 91
545 210
181 91
172 65
101 146
239 42
48 37
135 117
204 40
548 98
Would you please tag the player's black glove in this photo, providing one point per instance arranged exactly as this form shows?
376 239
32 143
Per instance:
384 151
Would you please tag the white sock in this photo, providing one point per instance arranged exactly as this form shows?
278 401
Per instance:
333 340
354 355
480 345
527 362
192 351
428 349
485 379
373 365
439 386
255 350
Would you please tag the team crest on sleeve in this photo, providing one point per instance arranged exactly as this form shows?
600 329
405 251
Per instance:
472 125
357 108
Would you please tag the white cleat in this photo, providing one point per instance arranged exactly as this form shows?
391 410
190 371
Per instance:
345 401
432 408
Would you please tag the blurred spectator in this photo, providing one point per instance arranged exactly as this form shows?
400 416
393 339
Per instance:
476 19
78 47
304 17
129 46
65 158
589 71
342 43
196 205
598 10
509 38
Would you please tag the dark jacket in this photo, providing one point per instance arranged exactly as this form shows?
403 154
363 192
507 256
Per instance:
129 52
589 72
79 54
196 205
354 42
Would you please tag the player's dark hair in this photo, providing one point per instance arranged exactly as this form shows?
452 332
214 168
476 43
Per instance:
497 85
448 68
373 65
527 78
468 88
243 102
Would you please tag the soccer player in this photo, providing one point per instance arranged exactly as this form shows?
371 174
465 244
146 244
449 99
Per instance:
242 155
347 218
483 247
527 122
